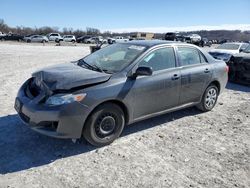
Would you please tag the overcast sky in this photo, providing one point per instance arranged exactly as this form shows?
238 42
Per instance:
129 15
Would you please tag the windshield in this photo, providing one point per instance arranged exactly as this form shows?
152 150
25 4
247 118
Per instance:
247 49
115 57
227 46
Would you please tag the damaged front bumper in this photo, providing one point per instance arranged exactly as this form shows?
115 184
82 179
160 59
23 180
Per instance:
62 121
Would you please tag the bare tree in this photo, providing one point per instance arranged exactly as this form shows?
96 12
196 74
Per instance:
92 31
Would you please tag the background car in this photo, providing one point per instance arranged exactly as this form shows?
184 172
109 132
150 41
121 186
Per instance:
239 67
206 42
226 50
27 37
2 34
92 40
13 37
54 37
36 38
83 38
69 38
194 39
170 36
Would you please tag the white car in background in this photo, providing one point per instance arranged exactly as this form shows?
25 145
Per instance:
69 38
2 34
54 37
119 39
195 38
226 50
230 48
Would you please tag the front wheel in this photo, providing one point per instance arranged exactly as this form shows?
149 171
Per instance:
209 98
104 125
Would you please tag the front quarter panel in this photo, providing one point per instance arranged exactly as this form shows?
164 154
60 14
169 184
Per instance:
116 89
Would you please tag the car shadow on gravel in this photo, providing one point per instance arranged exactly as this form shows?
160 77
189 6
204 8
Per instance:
237 87
21 148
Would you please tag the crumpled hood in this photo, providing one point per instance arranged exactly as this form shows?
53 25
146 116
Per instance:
67 76
221 56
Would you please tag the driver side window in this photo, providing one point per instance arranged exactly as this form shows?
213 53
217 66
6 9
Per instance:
159 59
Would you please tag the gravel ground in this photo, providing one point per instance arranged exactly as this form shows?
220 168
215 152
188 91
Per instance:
181 149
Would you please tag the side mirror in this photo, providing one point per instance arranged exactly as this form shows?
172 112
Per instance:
143 71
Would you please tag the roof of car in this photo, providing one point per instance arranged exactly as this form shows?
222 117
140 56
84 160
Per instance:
151 43
239 43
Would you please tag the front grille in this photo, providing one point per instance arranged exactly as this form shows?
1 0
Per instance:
48 125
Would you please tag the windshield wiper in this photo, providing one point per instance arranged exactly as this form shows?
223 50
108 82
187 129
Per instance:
97 68
82 62
88 66
93 67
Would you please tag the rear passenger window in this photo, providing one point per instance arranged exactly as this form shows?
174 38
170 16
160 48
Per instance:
189 56
159 59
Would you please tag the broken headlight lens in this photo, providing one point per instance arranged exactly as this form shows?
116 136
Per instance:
60 99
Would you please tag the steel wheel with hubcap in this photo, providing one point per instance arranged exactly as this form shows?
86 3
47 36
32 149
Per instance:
209 98
104 125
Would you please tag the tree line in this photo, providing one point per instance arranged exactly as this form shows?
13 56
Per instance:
22 30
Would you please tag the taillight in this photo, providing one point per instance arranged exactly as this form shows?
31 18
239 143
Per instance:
227 69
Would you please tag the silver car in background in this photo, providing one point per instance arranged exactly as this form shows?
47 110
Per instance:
36 38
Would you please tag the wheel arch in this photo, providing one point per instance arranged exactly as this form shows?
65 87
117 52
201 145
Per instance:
118 103
216 83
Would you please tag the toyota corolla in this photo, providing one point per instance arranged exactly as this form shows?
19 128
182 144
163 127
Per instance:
117 85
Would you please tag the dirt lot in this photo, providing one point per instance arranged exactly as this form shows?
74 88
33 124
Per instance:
182 149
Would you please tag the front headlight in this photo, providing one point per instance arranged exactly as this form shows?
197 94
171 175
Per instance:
60 99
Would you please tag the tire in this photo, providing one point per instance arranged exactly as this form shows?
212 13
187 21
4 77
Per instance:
104 125
28 41
43 41
209 99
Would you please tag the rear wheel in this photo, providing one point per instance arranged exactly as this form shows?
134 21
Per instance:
104 125
209 98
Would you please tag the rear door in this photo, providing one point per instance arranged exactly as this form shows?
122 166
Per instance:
196 73
159 91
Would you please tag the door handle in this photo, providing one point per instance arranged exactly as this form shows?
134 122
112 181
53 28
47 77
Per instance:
175 77
206 70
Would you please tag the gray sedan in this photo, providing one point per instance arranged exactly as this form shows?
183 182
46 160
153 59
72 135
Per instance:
123 83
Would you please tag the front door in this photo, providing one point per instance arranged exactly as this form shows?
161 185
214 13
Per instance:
160 91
